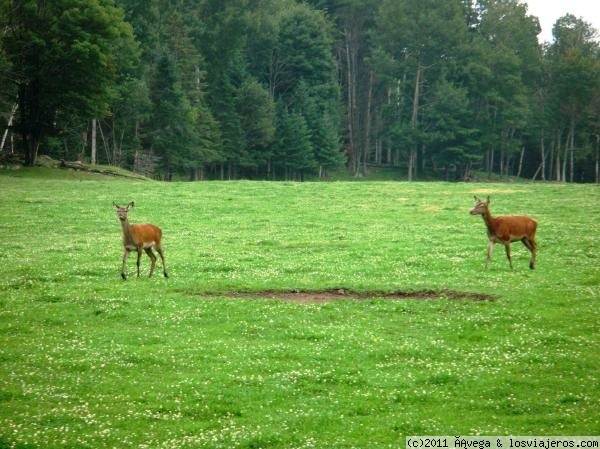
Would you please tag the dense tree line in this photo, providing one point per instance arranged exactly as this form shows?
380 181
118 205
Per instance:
283 89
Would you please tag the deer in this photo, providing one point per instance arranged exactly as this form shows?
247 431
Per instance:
138 237
505 230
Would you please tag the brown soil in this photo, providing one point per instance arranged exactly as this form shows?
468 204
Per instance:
320 296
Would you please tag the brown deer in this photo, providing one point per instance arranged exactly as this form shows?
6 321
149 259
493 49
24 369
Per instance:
138 237
505 230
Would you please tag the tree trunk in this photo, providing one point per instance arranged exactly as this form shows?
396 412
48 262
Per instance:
118 150
116 157
8 125
109 159
350 99
558 143
197 174
367 129
93 156
467 171
388 144
32 145
565 158
541 167
551 168
521 161
572 151
491 160
411 164
415 122
543 155
30 122
597 158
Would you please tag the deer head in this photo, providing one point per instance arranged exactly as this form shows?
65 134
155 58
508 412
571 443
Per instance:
480 207
122 211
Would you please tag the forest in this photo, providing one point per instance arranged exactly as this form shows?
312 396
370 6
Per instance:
289 89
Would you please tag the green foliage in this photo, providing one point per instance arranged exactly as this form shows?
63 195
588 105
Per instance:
143 15
433 34
326 144
173 119
89 360
376 78
305 48
573 61
453 136
257 112
428 29
293 145
507 25
7 90
62 70
324 138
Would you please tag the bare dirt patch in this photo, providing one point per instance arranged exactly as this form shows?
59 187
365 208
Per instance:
321 296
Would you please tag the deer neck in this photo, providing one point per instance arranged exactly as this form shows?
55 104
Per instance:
126 229
489 221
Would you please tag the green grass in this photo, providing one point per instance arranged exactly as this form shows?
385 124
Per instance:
90 361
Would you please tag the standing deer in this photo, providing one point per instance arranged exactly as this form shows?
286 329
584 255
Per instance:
138 237
505 230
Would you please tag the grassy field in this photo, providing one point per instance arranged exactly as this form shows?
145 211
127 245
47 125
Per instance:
90 361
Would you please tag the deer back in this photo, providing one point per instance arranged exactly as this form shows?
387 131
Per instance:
512 227
142 235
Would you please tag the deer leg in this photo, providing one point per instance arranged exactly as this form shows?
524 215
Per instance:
530 244
139 256
533 244
152 258
489 254
507 247
162 258
125 256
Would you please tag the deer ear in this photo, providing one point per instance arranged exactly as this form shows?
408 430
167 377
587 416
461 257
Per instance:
130 205
488 200
476 199
115 206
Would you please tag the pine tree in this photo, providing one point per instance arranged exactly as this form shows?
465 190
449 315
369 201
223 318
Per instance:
293 153
171 134
324 138
257 115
